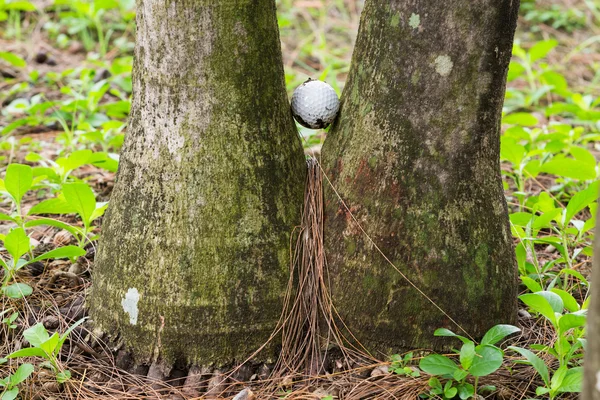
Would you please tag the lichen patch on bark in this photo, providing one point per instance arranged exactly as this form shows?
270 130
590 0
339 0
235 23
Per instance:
443 65
130 304
414 21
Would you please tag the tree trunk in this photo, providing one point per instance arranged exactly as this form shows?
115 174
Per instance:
193 262
591 386
415 156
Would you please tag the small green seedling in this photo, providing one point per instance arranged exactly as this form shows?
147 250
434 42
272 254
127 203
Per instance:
564 380
475 361
17 244
400 365
75 198
47 347
9 384
18 180
10 320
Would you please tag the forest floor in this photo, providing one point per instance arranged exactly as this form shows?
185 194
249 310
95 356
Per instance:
65 95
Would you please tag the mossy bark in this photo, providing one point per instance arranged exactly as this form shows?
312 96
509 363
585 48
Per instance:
415 156
193 261
591 386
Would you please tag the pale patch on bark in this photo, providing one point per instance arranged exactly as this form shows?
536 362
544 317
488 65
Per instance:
598 381
443 65
129 303
414 21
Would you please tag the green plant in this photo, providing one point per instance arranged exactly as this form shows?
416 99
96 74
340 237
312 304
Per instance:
17 244
400 365
58 172
10 390
76 198
567 348
564 380
569 326
10 320
475 361
47 347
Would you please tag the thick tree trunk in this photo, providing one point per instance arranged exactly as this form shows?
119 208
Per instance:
591 386
194 256
415 156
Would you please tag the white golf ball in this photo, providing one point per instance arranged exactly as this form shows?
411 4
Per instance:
315 104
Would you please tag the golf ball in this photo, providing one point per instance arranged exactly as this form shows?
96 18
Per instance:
315 104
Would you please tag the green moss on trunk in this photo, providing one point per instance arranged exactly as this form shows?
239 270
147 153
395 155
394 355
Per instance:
209 188
415 155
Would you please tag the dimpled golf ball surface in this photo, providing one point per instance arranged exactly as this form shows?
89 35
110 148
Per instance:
315 104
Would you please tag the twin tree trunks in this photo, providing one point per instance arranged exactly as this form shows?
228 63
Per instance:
195 252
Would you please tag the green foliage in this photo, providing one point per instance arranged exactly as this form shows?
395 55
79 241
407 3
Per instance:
46 346
17 244
474 361
564 379
400 365
10 390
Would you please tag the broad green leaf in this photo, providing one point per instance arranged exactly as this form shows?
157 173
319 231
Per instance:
535 361
99 211
73 230
82 199
467 353
583 155
12 59
105 161
553 299
63 376
580 201
450 392
512 151
21 374
74 160
466 391
10 394
521 218
436 364
17 243
61 252
541 49
568 299
569 168
4 217
573 381
558 377
20 6
49 346
36 335
540 305
57 205
576 274
544 220
487 360
449 333
17 290
18 180
28 352
573 320
531 284
459 374
523 119
497 333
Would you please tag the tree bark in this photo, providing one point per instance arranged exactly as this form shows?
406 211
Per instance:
591 385
193 262
415 156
